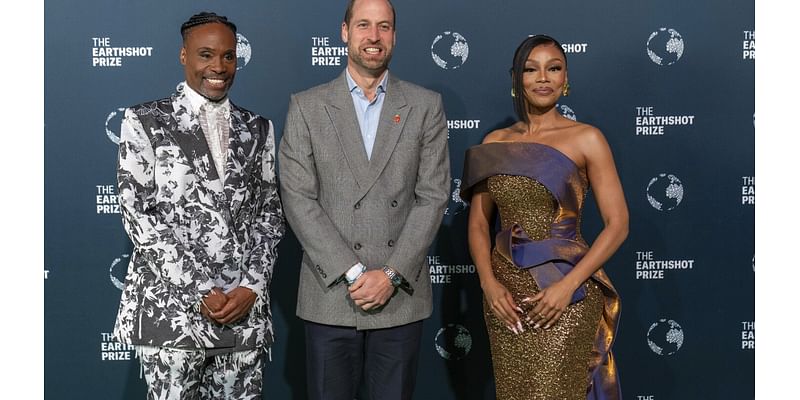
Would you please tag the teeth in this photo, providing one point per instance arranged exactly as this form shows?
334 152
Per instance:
372 50
215 81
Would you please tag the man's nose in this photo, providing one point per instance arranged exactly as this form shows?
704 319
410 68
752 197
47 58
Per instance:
219 64
373 33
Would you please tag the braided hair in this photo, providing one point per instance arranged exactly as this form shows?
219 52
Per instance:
205 18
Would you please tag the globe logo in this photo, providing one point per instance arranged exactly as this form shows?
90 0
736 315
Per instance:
566 112
118 270
665 192
457 204
116 117
449 50
453 342
243 51
665 337
665 46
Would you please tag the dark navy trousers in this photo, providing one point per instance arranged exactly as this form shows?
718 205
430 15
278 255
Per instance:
343 363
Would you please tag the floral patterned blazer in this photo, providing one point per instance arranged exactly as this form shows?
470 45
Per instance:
193 227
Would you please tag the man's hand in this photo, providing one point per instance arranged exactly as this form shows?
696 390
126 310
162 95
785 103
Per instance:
240 301
214 301
372 290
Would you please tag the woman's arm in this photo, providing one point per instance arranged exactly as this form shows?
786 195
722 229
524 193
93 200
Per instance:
605 183
497 296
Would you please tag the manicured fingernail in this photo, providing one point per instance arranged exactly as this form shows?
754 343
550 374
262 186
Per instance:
547 327
510 328
536 326
519 326
519 309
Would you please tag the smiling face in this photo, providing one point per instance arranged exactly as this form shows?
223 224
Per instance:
208 56
544 76
370 37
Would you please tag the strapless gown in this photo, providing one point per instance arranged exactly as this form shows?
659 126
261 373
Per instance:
539 194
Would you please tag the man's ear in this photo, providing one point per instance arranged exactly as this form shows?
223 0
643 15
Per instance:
344 32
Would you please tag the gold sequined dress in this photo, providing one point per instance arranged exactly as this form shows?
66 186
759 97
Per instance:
539 194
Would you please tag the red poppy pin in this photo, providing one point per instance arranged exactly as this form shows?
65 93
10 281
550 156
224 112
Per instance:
397 118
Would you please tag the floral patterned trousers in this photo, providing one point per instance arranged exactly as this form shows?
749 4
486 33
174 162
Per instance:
192 375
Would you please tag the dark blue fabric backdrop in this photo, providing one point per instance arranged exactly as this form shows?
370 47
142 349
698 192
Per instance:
670 83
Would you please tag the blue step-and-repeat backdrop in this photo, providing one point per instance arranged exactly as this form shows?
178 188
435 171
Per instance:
670 83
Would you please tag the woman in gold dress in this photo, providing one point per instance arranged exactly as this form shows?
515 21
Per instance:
550 310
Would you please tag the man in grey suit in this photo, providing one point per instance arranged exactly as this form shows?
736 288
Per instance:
364 173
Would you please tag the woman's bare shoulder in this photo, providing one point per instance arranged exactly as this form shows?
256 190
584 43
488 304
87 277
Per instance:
584 134
505 134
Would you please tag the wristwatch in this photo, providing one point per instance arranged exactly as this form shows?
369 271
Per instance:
392 275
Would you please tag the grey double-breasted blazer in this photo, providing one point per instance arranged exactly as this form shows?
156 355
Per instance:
193 227
345 208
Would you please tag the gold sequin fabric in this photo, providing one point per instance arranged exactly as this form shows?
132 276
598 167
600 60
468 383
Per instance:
538 364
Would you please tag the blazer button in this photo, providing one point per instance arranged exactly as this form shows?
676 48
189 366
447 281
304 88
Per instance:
394 203
358 205
357 246
391 243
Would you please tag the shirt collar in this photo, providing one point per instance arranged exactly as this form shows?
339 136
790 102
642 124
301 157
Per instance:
197 100
351 84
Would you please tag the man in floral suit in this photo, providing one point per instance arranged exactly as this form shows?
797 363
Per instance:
199 200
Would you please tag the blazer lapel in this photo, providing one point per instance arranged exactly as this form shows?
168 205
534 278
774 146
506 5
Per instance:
393 117
343 117
237 167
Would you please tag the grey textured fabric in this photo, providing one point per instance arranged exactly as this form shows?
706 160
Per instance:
346 208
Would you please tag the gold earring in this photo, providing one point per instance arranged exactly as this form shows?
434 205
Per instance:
565 91
513 94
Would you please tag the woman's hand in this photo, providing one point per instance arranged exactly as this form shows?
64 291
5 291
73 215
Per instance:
549 305
502 305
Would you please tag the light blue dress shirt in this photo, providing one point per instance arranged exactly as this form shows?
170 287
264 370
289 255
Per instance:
368 113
